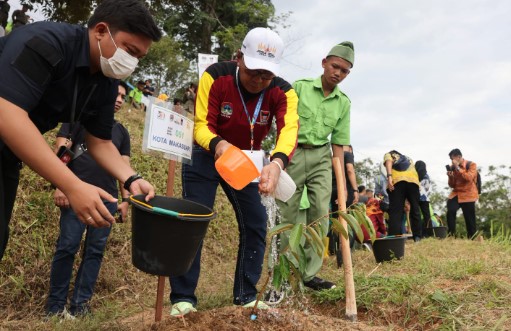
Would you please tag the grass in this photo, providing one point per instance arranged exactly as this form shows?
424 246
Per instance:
447 284
440 284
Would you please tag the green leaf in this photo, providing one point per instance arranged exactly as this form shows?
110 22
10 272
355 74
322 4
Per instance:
354 225
338 228
318 243
295 236
302 261
280 228
277 278
370 228
284 267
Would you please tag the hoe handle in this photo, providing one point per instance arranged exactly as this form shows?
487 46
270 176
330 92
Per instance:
351 303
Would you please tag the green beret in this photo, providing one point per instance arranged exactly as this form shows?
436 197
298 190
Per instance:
344 50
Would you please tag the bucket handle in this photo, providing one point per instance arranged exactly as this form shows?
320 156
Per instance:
169 212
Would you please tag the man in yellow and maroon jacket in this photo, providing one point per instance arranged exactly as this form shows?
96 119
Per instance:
462 180
235 105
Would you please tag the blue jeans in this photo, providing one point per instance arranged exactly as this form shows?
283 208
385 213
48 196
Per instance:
200 182
68 243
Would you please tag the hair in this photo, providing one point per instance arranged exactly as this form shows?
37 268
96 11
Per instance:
420 166
176 101
130 16
455 152
140 82
123 84
361 188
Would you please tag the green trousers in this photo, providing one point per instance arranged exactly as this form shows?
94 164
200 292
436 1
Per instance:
313 168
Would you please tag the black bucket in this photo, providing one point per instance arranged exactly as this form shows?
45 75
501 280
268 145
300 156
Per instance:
166 245
437 231
387 249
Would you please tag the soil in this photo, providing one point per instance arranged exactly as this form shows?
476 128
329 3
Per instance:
236 318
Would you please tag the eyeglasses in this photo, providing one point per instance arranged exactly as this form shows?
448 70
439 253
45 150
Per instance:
253 73
264 74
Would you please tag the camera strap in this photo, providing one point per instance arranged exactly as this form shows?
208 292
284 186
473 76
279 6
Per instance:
74 128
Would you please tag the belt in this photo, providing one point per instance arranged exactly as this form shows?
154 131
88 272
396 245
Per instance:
307 146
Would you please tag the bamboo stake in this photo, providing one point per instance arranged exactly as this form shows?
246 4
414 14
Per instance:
351 303
161 279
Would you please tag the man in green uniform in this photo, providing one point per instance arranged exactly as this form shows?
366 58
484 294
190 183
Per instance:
324 121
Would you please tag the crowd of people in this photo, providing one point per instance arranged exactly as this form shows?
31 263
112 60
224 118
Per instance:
399 204
236 106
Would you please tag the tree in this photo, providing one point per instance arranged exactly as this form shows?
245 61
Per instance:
215 26
166 65
366 170
495 200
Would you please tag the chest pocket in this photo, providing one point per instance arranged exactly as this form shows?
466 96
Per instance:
37 60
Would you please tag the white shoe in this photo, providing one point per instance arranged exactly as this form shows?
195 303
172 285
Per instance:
182 308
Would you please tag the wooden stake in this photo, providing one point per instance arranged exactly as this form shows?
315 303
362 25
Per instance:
161 279
351 303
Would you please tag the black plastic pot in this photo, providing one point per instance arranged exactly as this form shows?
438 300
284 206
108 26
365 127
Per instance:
438 232
387 249
166 245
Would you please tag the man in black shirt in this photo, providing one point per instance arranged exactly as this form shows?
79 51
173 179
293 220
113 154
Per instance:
71 229
57 72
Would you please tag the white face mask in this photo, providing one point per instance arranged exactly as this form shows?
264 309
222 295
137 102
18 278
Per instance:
121 65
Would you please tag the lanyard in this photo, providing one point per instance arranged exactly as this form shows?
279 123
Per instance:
251 121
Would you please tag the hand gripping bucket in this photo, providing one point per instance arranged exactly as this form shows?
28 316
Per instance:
166 233
389 248
236 168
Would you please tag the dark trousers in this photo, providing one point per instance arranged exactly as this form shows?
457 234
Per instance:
469 213
404 191
9 179
426 216
200 182
68 243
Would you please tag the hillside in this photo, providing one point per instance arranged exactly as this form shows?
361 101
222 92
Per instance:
447 284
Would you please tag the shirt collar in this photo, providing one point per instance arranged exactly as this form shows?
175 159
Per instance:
317 84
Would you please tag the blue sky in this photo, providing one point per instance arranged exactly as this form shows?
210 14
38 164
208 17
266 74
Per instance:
428 77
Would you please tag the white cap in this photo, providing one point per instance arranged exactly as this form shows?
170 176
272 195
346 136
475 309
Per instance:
262 49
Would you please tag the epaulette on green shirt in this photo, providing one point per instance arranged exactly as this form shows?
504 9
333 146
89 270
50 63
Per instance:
320 116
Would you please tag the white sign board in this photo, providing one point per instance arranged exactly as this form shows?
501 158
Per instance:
169 132
205 60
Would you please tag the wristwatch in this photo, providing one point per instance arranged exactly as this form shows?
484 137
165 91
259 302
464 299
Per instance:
355 191
389 175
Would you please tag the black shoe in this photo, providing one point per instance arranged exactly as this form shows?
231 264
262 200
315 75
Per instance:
318 284
417 239
81 310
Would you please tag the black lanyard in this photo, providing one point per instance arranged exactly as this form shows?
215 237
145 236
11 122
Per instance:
73 130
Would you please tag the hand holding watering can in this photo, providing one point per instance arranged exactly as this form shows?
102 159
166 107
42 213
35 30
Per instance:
238 170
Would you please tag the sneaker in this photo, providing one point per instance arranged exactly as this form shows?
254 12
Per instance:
54 310
260 305
79 311
67 316
318 284
274 297
61 314
180 309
